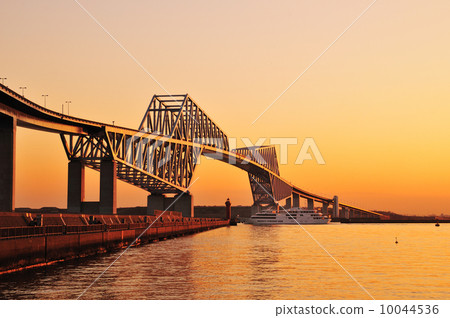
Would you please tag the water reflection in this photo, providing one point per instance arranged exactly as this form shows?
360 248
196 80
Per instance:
249 262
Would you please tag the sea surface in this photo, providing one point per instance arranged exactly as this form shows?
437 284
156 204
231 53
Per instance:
335 261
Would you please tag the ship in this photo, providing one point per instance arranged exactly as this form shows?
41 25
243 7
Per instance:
288 216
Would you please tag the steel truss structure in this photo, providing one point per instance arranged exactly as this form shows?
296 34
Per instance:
161 156
179 117
266 187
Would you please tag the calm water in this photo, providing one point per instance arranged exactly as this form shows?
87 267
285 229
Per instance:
250 262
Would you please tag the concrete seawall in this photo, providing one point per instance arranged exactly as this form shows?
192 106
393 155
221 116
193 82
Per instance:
28 246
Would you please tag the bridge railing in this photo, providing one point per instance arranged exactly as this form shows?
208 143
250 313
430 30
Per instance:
28 231
46 110
21 231
84 228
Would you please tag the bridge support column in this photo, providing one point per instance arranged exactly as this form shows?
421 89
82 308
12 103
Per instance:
325 208
155 201
344 213
255 208
7 163
288 203
75 187
295 200
335 206
108 187
310 204
185 204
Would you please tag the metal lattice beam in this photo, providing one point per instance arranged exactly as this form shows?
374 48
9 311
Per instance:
267 188
179 117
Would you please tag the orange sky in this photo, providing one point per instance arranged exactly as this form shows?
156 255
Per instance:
377 103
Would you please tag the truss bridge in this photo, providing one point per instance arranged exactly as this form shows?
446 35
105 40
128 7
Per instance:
159 156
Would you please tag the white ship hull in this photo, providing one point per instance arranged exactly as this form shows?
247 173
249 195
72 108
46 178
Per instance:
289 216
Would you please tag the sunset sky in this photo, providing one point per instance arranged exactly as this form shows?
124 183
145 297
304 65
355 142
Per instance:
377 103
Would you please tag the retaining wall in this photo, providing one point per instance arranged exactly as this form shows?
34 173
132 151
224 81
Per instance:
30 246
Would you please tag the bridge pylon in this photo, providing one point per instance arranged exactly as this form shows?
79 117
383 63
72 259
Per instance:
75 186
183 202
7 162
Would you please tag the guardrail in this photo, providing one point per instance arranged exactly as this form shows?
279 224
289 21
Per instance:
53 113
21 231
46 110
84 228
26 231
31 230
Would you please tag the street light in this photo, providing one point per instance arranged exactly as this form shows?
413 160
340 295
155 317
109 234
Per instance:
68 102
3 80
23 88
45 100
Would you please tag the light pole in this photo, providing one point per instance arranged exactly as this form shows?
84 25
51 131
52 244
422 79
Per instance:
23 88
45 100
68 102
3 80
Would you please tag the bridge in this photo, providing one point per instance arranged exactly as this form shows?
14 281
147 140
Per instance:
160 156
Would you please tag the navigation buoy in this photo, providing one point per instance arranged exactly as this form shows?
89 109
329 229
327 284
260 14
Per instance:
396 242
437 224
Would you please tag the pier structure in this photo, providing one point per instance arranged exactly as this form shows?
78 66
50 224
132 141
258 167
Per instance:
30 239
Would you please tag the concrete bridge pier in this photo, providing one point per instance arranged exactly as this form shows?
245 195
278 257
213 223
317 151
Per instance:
7 162
108 187
310 204
183 203
155 201
335 207
288 203
325 208
255 208
75 186
295 200
351 214
344 213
